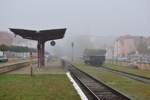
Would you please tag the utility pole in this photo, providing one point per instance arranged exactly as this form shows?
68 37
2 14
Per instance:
117 51
72 45
113 55
30 64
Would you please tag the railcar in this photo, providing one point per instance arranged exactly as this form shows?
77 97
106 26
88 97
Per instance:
94 57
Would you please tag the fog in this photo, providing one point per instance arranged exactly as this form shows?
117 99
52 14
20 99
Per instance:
89 23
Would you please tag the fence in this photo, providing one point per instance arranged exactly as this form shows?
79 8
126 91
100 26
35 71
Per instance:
139 65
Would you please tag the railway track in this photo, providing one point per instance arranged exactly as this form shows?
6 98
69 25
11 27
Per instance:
8 68
126 74
96 89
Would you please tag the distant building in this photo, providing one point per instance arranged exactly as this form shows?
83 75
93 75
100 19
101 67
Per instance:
126 45
18 41
6 38
148 41
109 53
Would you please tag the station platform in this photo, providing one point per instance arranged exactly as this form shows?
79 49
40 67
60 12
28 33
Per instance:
51 67
47 83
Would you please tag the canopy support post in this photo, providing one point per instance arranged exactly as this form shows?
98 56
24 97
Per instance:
41 52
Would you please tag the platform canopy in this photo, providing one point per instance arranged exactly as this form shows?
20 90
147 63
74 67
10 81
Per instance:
43 35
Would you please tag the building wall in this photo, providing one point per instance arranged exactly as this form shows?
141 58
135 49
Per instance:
125 45
109 53
6 38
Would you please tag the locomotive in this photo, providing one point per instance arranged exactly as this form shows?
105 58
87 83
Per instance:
94 56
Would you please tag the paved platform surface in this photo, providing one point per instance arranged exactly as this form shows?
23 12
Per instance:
51 67
10 61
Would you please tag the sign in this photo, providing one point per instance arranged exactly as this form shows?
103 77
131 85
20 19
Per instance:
52 43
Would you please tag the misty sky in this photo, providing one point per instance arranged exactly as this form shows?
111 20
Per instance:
94 17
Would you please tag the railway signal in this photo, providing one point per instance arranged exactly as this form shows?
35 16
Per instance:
52 43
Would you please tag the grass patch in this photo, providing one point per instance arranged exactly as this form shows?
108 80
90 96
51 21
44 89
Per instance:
38 87
136 90
145 73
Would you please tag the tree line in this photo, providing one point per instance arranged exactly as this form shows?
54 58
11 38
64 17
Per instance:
14 48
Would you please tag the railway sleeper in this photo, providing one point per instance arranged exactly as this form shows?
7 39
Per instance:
109 97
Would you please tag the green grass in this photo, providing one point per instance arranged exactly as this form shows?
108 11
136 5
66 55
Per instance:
38 87
145 73
136 90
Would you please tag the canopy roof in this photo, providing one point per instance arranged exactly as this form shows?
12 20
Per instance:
43 35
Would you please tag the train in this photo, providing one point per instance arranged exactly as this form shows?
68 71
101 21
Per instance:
94 56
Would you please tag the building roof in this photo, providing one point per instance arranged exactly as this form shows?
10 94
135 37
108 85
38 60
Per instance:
94 52
44 35
130 37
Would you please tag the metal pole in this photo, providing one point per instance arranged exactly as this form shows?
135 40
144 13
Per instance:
38 47
113 55
117 53
42 53
31 69
72 51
